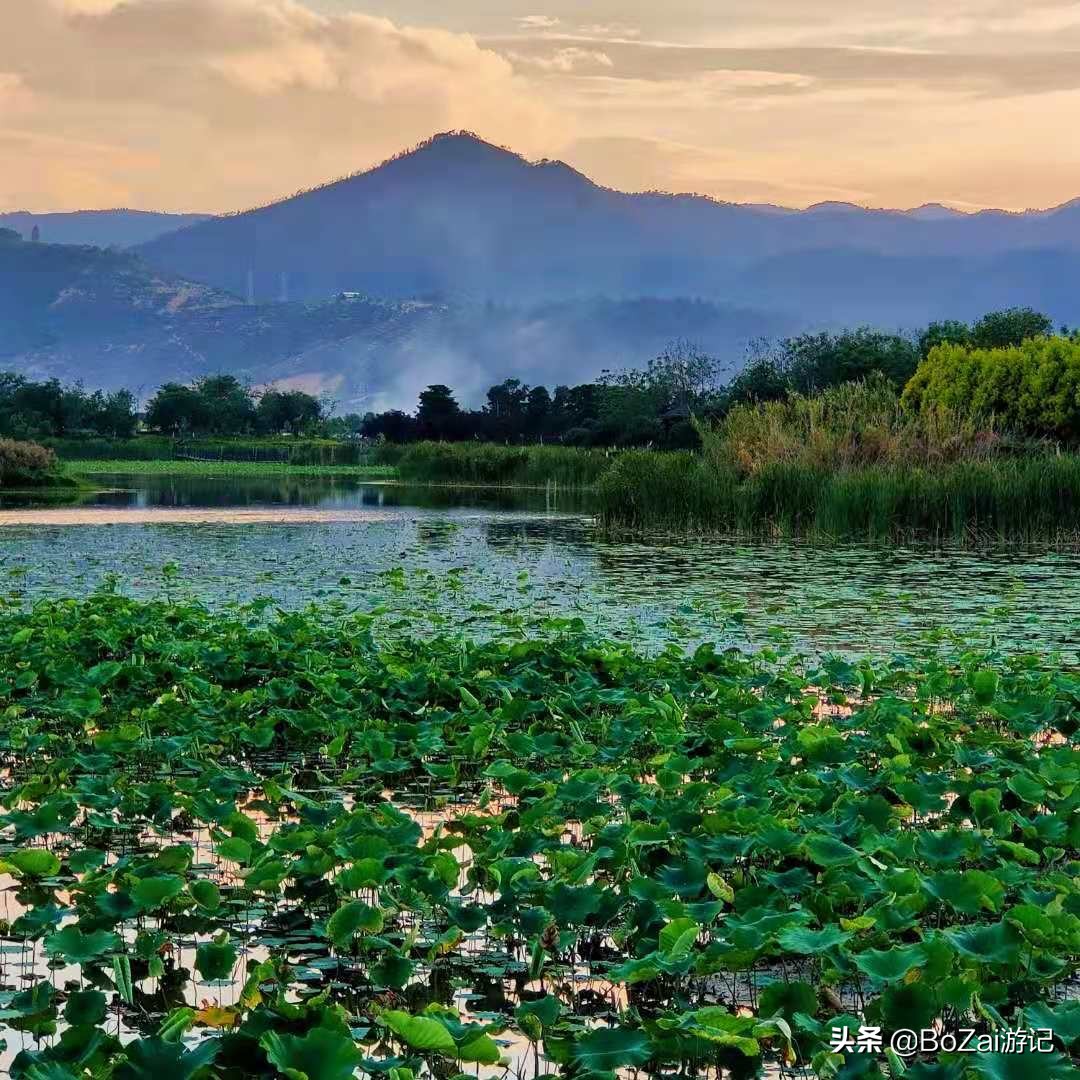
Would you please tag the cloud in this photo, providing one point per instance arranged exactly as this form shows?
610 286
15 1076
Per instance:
568 59
966 73
221 104
609 30
538 22
225 103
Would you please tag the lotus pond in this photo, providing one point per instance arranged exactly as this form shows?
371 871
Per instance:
251 842
340 540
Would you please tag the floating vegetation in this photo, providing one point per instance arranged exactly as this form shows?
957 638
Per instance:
250 843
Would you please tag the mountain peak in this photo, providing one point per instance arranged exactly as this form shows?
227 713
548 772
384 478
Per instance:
459 147
934 212
835 207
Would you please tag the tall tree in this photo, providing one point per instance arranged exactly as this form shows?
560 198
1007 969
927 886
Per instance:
438 414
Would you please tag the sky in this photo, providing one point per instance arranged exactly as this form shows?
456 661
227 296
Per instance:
218 105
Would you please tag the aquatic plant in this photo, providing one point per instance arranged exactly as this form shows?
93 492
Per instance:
1015 499
494 464
283 844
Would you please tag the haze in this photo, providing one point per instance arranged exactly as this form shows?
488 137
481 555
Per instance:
216 105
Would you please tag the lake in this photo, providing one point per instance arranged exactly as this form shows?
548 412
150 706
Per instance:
300 540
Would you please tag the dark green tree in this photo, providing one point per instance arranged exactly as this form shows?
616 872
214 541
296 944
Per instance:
229 407
290 411
177 410
1013 326
439 415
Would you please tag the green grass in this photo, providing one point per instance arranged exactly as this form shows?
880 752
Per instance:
179 467
162 448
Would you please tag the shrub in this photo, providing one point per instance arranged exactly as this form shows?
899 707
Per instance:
25 463
1033 387
854 424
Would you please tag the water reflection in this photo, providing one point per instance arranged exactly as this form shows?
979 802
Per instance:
542 552
328 492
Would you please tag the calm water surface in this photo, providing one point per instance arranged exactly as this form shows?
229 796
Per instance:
541 552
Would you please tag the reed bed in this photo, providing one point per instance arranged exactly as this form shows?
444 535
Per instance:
851 463
1008 499
492 464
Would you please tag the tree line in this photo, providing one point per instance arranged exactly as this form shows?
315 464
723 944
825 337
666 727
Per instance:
654 405
650 406
214 405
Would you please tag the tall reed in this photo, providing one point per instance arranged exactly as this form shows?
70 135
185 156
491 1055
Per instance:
850 462
498 465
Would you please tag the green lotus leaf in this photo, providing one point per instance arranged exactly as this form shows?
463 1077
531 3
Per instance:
828 851
911 1006
888 965
1062 1019
1026 788
32 862
786 999
1022 1066
321 1054
480 1048
984 686
215 960
350 919
808 942
85 1007
81 948
234 849
546 1009
998 943
156 1059
970 892
206 894
678 936
392 970
420 1032
150 893
607 1049
32 1010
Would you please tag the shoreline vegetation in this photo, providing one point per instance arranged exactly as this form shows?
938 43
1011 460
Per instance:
966 434
212 468
746 852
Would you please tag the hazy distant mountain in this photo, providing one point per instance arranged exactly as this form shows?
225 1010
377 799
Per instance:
103 228
477 265
106 318
459 217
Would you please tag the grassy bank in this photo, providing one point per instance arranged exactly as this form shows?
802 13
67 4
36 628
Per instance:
179 467
254 450
344 831
492 464
851 462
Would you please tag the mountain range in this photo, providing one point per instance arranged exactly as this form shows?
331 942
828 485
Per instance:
462 262
102 228
108 319
460 218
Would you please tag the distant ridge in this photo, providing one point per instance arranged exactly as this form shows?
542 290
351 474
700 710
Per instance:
101 228
459 217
